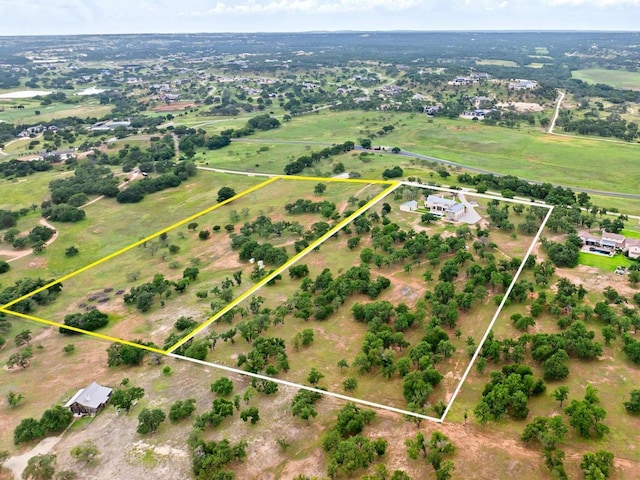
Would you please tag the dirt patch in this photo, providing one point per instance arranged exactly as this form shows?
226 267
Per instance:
172 107
595 280
522 107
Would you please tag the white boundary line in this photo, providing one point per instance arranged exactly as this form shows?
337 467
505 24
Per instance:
305 387
495 316
366 402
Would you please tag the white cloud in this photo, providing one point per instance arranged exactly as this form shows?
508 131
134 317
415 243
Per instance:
311 6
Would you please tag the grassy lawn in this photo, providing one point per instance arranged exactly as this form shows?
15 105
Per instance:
254 157
630 233
25 191
615 78
608 264
525 152
110 226
500 63
49 112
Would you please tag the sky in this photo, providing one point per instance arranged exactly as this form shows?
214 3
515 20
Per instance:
43 17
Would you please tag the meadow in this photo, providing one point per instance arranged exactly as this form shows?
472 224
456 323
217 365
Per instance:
526 152
615 78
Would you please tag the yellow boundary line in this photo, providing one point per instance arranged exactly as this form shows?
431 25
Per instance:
252 290
80 330
139 242
286 265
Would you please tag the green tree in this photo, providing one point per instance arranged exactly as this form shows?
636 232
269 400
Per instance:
250 413
225 193
72 251
56 419
28 429
561 394
303 404
4 266
320 188
23 338
21 358
182 409
314 377
40 467
87 452
119 354
547 431
350 384
586 416
13 398
633 405
597 465
223 387
149 420
124 398
342 364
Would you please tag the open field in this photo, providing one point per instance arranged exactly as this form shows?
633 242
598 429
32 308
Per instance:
615 78
340 336
526 152
48 113
26 191
500 63
110 226
103 285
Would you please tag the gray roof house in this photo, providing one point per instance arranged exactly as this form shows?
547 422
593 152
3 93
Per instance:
89 400
410 206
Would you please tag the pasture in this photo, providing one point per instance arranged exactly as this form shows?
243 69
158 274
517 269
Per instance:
616 78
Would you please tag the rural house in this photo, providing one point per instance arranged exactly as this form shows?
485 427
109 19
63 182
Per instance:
89 400
610 243
446 207
410 206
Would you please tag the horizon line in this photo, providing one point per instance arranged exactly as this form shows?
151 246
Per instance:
324 31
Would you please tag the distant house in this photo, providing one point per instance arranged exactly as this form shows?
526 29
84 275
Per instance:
89 400
431 109
611 242
445 207
519 84
462 81
410 206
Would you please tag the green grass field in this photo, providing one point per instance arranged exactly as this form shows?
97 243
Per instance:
26 191
526 152
48 113
500 63
110 226
608 264
615 78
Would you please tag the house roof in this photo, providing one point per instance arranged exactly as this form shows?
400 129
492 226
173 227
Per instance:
633 243
440 200
410 203
455 208
614 237
92 396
